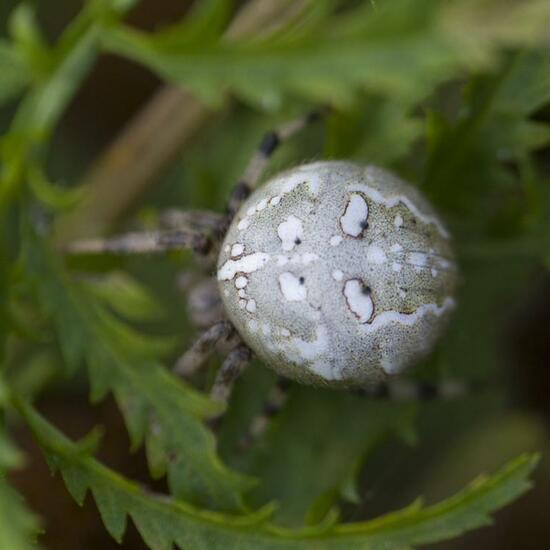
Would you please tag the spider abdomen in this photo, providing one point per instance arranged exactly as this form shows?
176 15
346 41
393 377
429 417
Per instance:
336 273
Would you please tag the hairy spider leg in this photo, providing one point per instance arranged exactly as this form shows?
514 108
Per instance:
145 242
201 221
192 229
203 348
273 405
235 362
199 231
257 164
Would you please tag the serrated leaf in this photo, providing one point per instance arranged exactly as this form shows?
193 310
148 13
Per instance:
164 522
377 130
467 156
126 296
206 21
18 526
404 49
124 362
265 71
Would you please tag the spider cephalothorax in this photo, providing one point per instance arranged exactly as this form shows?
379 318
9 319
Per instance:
338 274
332 273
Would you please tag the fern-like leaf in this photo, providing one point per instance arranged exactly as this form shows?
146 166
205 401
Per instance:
156 405
18 526
163 522
340 54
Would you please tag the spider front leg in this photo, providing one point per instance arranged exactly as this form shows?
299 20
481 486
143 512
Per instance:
258 162
190 230
202 221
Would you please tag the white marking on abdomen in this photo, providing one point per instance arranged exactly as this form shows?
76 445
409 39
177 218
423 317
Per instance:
375 255
241 282
313 352
355 216
394 200
246 264
300 175
359 300
292 287
388 317
261 205
236 250
290 231
243 224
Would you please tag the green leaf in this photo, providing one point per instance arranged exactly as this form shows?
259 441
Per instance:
379 130
466 158
316 448
50 195
125 362
479 27
163 522
18 526
61 70
39 112
404 48
15 73
10 456
126 296
28 39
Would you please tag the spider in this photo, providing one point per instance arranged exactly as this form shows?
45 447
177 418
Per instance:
332 273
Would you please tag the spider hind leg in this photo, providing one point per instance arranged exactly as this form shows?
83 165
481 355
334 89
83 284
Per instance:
203 348
275 402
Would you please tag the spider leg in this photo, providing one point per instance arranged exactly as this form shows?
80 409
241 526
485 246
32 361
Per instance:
204 304
259 160
276 400
147 242
203 348
415 390
202 221
234 364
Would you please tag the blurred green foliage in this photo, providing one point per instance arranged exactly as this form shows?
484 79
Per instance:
449 94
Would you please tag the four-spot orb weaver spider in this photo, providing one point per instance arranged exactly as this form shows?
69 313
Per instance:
332 273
